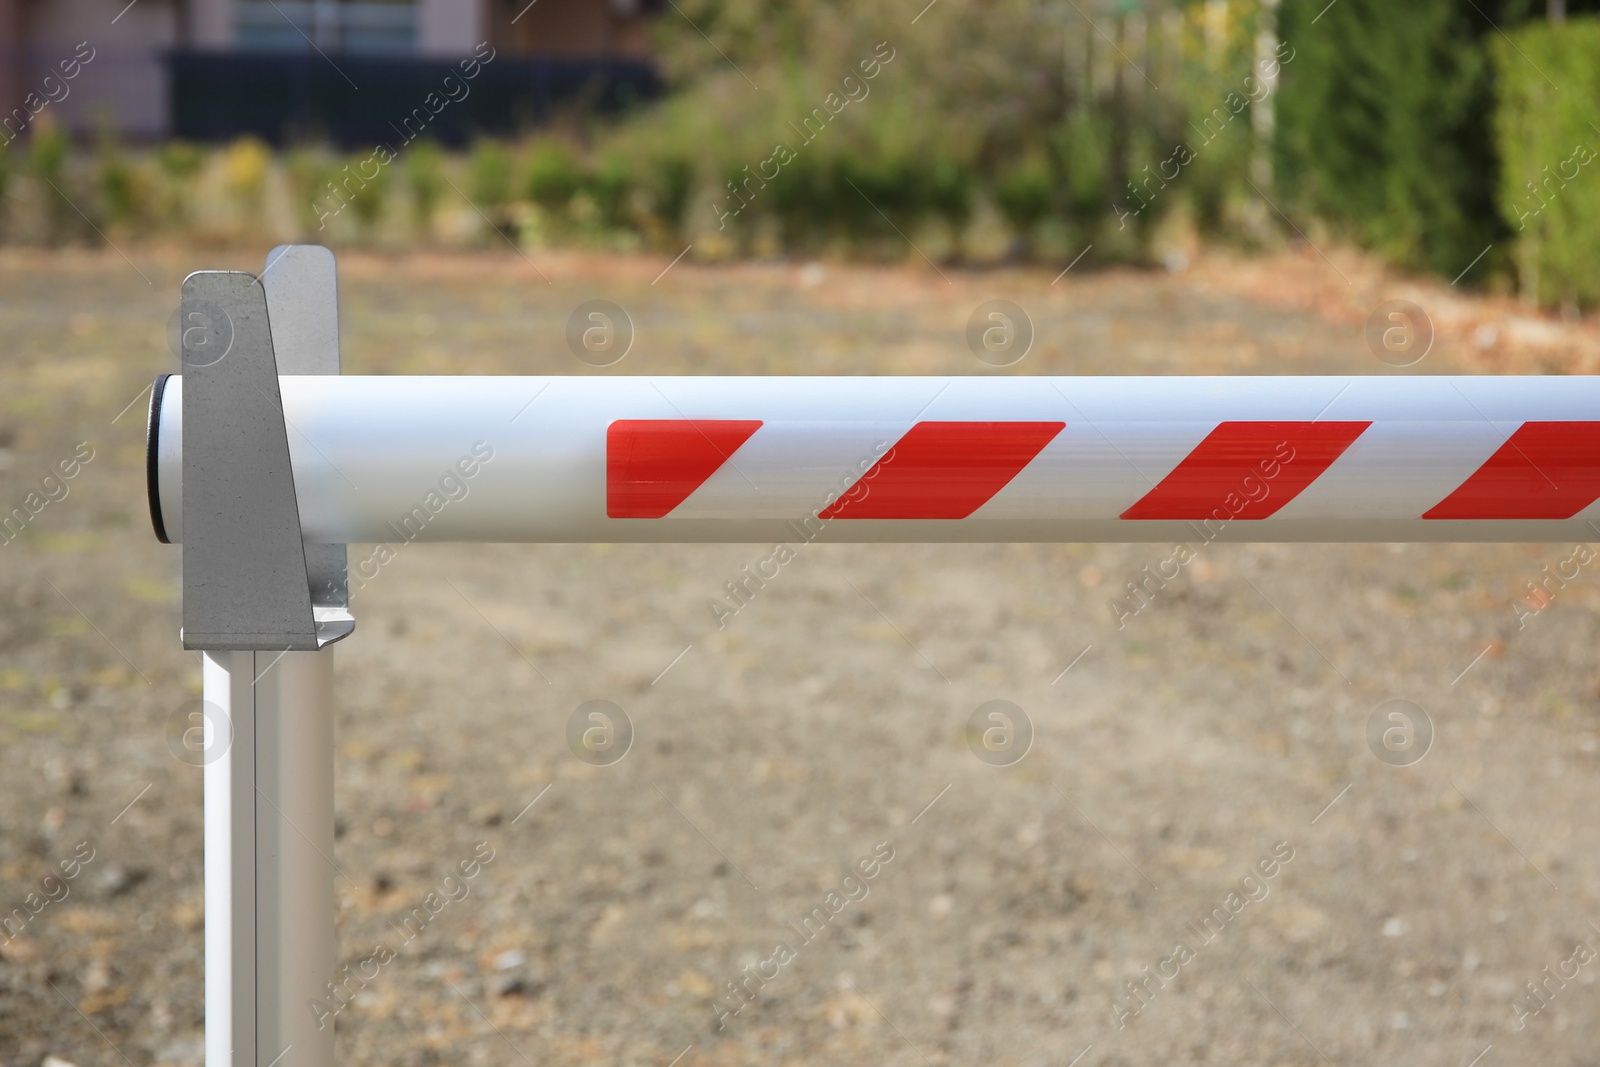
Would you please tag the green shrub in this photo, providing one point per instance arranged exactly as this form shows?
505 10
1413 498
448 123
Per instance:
246 163
1550 175
425 175
1080 159
489 181
742 184
1383 130
611 186
1024 194
121 187
951 185
1215 180
800 200
372 184
553 178
670 182
47 162
311 177
900 190
179 163
746 197
847 201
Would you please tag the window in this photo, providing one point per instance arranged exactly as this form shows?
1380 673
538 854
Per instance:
370 26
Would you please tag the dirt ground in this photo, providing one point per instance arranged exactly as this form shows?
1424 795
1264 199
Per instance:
1221 735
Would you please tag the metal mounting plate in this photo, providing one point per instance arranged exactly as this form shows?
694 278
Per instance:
244 566
302 285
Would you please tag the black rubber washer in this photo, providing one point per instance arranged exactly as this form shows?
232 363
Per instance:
152 473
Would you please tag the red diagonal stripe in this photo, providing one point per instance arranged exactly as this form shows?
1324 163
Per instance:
652 465
1247 470
1545 470
943 470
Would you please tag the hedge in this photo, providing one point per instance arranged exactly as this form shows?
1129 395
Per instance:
1545 127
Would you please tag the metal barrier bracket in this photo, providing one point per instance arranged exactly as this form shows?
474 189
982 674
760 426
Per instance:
249 580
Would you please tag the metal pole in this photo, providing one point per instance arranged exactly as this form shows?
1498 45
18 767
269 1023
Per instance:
295 946
269 869
230 858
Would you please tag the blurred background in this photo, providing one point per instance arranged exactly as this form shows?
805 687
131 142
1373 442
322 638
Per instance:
1207 187
997 131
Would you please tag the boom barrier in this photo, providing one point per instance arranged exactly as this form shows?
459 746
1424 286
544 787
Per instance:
720 459
264 463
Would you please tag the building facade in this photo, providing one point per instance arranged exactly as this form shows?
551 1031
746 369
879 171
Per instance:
295 68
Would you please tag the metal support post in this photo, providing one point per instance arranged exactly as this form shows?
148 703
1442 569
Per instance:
268 846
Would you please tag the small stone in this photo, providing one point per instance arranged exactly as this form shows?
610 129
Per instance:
510 958
512 985
1394 926
118 879
97 979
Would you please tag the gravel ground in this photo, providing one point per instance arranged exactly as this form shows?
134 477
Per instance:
1201 777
